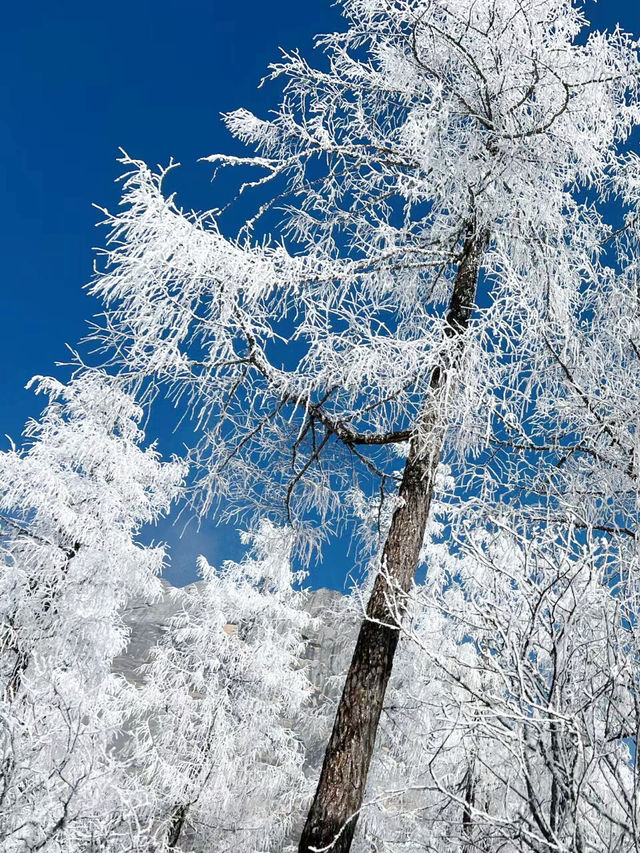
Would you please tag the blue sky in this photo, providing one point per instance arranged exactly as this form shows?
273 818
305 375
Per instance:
79 79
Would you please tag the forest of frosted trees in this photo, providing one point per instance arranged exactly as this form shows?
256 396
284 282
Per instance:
424 339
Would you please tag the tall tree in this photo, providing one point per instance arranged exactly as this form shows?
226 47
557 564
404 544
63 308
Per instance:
72 503
440 180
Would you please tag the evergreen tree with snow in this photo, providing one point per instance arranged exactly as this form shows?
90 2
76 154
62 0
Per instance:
72 503
221 693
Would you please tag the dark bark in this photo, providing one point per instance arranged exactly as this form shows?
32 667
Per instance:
334 812
178 819
15 679
12 644
469 805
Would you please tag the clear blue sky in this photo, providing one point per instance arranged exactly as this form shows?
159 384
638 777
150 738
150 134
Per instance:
79 79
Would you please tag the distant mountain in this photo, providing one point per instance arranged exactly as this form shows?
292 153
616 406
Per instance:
329 643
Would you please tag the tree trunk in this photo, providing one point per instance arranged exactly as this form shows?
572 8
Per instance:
178 819
334 812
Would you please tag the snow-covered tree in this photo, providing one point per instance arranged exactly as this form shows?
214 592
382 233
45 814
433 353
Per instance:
443 247
222 692
72 503
512 715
